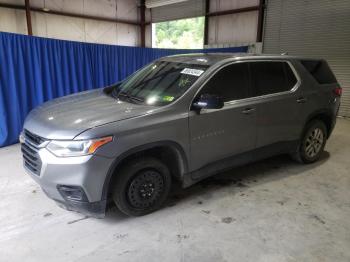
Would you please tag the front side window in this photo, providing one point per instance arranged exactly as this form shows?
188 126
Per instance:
271 77
159 83
231 82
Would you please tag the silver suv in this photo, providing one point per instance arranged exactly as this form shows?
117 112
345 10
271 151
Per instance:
184 118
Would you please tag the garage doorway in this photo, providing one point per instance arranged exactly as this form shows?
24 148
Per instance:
181 34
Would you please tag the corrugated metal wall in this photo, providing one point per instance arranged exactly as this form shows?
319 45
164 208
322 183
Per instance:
312 28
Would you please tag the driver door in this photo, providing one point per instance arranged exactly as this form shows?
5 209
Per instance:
216 134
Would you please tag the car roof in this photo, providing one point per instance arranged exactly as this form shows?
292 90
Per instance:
213 58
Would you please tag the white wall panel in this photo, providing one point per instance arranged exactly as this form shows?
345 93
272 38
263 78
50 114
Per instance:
128 35
77 29
123 9
127 9
101 32
74 6
39 25
12 21
61 27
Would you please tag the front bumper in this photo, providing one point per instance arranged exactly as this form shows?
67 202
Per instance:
88 173
95 209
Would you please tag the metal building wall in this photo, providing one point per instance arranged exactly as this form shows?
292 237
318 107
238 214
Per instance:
223 30
312 28
232 28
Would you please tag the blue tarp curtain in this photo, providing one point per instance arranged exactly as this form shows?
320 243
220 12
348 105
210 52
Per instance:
34 70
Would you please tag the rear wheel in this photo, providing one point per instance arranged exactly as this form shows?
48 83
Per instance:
142 186
312 143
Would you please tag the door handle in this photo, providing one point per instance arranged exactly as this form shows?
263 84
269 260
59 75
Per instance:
248 110
301 100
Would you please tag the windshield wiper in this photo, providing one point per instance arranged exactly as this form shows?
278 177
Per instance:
128 96
136 98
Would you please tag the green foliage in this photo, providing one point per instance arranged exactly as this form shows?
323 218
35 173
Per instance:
183 34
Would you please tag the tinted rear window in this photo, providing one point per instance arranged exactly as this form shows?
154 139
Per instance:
272 77
320 70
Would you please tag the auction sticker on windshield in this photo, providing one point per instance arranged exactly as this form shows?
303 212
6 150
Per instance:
190 71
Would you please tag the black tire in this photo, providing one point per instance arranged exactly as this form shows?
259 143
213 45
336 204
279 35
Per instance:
311 147
142 186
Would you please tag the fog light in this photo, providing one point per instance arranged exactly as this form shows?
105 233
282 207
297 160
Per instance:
75 193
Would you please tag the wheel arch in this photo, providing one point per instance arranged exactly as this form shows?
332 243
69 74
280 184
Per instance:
164 150
325 115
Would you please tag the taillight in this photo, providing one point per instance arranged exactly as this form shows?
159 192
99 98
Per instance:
338 91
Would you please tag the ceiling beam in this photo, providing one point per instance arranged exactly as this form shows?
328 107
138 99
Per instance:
143 23
259 34
206 22
28 18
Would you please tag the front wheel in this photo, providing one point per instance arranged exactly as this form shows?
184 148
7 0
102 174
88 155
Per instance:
312 142
142 186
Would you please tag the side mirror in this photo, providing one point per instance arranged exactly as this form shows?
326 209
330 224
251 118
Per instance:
208 101
109 89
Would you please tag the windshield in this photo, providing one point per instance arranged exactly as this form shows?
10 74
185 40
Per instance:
158 83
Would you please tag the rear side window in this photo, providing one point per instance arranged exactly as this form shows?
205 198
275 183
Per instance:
231 82
320 71
272 77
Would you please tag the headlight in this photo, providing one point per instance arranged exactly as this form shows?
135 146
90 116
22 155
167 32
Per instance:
76 148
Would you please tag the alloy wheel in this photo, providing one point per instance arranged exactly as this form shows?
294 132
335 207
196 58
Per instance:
314 142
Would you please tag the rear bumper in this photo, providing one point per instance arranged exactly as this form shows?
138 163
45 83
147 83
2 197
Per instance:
332 127
335 110
334 121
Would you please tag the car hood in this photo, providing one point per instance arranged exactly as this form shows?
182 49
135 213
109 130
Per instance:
66 117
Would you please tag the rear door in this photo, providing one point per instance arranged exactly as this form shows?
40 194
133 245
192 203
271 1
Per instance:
220 133
280 102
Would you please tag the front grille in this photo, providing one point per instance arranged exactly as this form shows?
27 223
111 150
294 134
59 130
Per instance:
32 138
30 153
